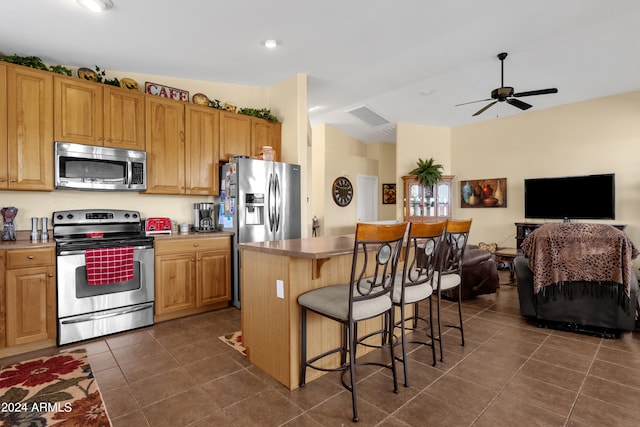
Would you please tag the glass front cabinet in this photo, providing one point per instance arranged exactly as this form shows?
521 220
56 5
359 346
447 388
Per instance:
427 204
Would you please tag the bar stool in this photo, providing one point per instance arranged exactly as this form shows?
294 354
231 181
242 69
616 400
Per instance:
416 278
376 253
449 273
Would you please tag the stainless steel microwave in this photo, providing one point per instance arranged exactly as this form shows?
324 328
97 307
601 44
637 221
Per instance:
88 167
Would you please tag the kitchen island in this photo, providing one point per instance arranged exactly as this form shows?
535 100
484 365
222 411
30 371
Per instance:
274 274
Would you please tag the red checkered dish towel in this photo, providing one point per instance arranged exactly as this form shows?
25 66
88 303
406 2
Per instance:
109 265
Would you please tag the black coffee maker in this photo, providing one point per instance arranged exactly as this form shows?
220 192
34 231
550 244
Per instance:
205 217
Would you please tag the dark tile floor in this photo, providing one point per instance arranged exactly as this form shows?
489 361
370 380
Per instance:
509 373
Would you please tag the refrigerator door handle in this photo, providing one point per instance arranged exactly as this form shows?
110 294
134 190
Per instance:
278 204
271 203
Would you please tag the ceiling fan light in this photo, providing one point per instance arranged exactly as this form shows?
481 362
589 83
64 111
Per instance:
96 5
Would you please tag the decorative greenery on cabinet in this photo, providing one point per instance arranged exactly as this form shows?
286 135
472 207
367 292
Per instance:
428 172
35 62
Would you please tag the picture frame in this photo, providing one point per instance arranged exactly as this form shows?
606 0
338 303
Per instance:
483 193
388 194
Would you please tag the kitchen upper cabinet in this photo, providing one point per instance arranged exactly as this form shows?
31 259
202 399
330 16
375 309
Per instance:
95 114
201 150
235 135
30 295
26 139
182 148
165 145
265 133
124 118
245 135
191 276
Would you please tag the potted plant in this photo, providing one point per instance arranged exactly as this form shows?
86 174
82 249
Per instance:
428 172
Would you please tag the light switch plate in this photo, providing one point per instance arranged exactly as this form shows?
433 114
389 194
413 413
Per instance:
280 289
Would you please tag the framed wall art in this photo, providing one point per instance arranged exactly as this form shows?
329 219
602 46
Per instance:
388 194
484 193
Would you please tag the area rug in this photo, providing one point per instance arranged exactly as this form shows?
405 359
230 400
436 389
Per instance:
58 390
235 341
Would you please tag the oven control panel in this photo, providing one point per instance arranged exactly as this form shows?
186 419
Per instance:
95 216
157 226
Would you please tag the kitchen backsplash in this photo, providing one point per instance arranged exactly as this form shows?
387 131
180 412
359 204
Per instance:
39 204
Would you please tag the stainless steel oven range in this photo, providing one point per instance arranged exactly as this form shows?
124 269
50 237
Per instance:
123 297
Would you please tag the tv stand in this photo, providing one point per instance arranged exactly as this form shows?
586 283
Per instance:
523 229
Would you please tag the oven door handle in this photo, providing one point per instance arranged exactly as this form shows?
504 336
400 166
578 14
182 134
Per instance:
82 251
107 315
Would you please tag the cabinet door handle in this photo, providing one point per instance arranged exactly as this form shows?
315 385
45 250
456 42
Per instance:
195 245
30 257
13 180
50 275
2 180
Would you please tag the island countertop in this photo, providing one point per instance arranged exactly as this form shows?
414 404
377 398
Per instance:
311 247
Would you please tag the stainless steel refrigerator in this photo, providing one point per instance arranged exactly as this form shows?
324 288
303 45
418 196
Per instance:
259 202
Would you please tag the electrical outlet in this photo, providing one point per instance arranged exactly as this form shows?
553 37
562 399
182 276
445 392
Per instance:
280 289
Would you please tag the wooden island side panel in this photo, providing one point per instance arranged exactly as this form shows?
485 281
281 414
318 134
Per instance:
271 325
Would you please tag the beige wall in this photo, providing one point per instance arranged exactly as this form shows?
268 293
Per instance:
595 136
420 142
337 154
385 154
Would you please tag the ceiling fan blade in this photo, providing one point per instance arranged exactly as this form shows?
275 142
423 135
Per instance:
473 102
536 92
520 104
483 109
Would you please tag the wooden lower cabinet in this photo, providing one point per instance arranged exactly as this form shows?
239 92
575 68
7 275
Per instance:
191 276
29 309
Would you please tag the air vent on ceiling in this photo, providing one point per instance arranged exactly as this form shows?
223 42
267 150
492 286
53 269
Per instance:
368 116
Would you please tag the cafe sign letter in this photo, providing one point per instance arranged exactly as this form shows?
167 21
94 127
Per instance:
166 91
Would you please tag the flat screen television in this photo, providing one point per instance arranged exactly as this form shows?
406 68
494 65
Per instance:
571 197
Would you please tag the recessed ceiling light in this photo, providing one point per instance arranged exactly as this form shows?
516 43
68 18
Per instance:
271 44
96 5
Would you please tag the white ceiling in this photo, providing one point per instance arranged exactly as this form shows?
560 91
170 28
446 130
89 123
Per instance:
407 60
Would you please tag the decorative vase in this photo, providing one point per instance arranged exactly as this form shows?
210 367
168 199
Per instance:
477 190
9 228
487 191
467 191
498 195
473 199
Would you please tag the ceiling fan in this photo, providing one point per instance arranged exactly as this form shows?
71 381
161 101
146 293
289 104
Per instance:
506 93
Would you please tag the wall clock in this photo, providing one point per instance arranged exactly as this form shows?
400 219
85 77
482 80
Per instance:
342 191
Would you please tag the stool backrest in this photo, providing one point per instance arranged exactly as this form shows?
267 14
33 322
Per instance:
422 249
376 254
456 236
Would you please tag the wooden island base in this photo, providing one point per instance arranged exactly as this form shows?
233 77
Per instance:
271 322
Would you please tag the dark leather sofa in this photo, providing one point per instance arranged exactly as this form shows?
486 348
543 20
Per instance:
579 309
479 274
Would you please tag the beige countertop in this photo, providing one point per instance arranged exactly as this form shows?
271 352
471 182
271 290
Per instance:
192 235
23 239
312 247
